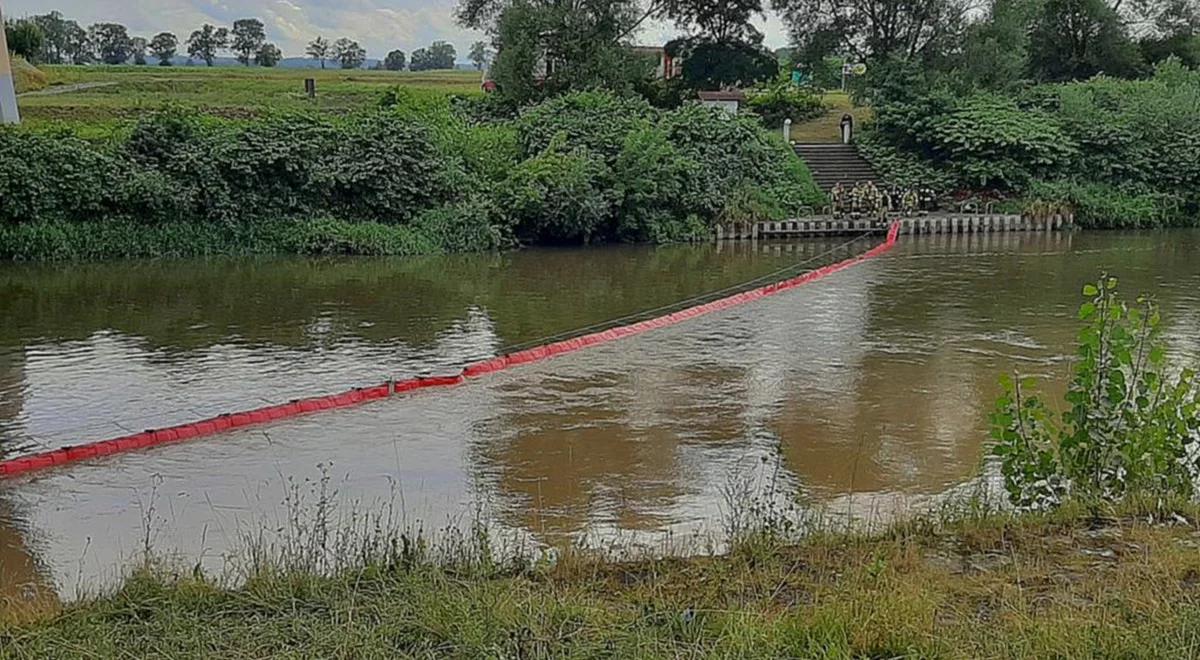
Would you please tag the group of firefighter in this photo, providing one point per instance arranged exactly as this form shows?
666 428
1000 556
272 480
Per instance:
867 200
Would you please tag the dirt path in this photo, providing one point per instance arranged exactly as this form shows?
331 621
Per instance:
67 89
827 128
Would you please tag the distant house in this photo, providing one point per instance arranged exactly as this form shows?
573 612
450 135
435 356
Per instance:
666 67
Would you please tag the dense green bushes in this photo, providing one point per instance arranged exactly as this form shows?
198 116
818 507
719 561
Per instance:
1109 206
989 142
417 175
1122 152
784 100
176 167
603 167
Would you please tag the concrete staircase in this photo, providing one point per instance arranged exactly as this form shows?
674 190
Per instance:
834 162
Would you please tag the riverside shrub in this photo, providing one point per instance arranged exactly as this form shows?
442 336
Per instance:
54 178
559 197
991 143
634 172
595 120
1116 147
1109 206
366 168
585 167
1131 425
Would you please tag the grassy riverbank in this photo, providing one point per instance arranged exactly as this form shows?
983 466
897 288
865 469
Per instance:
1068 584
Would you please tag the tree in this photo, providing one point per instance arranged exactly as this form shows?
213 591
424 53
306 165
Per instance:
77 46
54 32
110 42
1077 39
395 61
163 47
319 50
711 64
545 47
550 46
348 53
440 55
268 55
1169 28
1184 47
727 20
247 38
479 54
721 21
1158 19
421 60
872 30
64 42
996 50
139 50
204 43
25 38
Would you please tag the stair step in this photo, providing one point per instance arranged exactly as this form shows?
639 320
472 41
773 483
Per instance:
835 163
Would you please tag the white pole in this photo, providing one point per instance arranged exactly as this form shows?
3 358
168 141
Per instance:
787 131
8 93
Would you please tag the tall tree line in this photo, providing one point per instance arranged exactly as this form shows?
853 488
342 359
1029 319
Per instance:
545 47
51 38
1009 42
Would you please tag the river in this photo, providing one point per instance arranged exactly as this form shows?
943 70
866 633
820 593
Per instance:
869 389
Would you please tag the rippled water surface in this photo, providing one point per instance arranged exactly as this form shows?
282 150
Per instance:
874 382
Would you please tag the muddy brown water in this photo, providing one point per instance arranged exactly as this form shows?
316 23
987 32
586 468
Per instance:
869 386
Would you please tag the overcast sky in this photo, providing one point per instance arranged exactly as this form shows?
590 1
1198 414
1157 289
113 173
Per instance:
379 25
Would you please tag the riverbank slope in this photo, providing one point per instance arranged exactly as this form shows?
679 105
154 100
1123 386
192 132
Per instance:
1069 584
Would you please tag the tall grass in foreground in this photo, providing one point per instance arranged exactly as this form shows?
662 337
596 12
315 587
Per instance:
969 581
1096 570
966 577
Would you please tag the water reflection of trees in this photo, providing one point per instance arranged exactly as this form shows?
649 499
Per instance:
183 305
916 417
878 381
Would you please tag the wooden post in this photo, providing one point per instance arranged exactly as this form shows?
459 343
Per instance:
310 87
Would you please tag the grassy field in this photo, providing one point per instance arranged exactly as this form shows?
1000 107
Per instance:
123 93
228 92
1066 585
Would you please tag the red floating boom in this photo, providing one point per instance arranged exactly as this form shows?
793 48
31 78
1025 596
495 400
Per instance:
358 396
